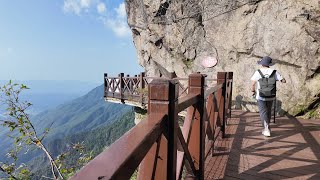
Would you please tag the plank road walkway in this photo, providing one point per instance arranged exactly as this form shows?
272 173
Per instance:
292 151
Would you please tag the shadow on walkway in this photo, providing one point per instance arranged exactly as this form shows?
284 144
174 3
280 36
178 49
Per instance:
292 151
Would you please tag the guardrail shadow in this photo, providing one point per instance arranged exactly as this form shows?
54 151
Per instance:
292 151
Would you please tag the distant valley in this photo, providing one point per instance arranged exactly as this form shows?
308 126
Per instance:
49 94
77 119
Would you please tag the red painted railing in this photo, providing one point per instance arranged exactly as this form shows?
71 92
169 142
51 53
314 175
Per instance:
158 147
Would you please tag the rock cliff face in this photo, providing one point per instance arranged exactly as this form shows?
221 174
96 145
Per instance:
175 35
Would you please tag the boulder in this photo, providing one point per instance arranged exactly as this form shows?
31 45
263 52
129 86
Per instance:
175 36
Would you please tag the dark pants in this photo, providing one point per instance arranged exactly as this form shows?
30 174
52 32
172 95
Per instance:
265 112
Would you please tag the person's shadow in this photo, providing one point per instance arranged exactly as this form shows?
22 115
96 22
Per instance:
243 105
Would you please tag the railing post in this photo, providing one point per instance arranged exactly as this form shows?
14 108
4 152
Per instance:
197 137
142 86
230 94
221 79
121 85
227 97
161 160
106 85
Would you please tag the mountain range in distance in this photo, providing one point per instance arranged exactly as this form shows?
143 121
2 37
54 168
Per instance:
47 94
82 114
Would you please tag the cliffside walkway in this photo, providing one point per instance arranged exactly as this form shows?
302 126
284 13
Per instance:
134 90
292 151
210 142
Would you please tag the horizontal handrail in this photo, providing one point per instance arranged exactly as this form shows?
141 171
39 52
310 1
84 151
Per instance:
148 77
108 77
126 153
210 79
187 101
180 78
212 90
116 77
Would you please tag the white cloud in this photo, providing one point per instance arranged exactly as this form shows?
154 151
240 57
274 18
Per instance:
76 6
101 8
118 26
71 6
116 20
85 3
121 11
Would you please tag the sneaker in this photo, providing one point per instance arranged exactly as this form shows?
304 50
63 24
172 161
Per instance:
266 133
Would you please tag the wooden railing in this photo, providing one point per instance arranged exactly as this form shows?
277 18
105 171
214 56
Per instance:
135 89
160 148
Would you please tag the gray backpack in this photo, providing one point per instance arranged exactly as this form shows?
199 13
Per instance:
267 85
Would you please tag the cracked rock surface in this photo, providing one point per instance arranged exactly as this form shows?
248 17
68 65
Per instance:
175 35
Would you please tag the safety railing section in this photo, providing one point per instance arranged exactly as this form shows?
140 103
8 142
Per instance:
126 88
161 146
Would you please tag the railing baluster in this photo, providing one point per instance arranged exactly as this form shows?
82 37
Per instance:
227 98
209 129
106 86
230 99
197 137
142 86
221 79
112 86
228 89
121 86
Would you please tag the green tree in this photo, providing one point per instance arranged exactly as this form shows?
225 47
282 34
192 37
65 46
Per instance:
25 137
82 157
23 131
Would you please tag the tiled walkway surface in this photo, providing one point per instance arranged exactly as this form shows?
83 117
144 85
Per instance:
292 151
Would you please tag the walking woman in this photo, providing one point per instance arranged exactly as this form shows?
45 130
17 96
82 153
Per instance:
264 89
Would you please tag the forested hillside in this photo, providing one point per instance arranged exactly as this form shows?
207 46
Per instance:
95 140
88 120
82 114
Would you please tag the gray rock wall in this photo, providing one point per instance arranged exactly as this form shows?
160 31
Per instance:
175 35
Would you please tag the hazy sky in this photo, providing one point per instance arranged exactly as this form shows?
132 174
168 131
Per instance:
64 40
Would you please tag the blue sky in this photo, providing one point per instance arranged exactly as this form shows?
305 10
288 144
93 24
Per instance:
65 40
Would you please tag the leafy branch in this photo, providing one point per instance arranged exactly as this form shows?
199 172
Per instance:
18 121
77 149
